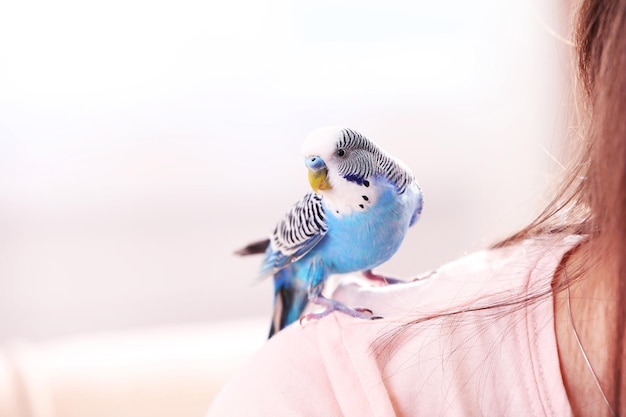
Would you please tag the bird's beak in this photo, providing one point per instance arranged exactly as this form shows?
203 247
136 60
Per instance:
319 180
318 173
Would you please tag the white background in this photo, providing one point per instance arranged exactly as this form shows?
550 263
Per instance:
142 142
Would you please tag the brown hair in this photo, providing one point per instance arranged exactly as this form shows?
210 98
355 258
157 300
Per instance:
591 199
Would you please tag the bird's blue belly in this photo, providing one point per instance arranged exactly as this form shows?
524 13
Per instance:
365 239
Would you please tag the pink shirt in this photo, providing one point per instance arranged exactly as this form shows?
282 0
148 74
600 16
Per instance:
490 362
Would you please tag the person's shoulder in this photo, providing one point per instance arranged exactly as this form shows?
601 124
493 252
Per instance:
332 366
287 376
482 276
523 255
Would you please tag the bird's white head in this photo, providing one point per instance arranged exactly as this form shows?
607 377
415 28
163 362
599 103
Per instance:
322 142
347 169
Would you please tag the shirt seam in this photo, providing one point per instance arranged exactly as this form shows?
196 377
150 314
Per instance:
538 274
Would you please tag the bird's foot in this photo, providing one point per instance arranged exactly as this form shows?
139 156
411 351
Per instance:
381 280
332 306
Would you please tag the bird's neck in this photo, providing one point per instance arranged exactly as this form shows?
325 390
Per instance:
347 197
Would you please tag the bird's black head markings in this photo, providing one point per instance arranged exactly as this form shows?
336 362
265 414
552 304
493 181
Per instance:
358 158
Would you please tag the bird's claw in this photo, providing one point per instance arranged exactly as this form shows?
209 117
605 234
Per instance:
332 305
315 316
370 312
303 319
380 279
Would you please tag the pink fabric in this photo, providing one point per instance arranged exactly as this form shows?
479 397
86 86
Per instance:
491 362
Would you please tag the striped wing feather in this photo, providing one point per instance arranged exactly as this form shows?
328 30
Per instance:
297 233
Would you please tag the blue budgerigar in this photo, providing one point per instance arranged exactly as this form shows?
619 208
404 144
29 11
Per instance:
362 204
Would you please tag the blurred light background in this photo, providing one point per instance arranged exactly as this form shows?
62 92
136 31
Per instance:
141 143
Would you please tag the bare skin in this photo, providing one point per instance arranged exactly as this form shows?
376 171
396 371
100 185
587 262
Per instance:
594 312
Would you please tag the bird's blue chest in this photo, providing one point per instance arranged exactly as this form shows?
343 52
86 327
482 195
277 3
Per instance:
365 239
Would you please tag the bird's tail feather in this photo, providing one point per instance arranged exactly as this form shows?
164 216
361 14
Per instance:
290 300
254 248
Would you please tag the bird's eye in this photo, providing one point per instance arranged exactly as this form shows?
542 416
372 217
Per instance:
340 152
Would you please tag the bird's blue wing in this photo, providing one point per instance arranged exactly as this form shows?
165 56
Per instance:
296 234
